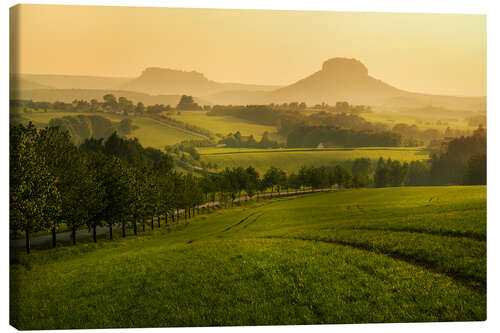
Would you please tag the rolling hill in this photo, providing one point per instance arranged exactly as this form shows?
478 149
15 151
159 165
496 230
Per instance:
74 81
406 254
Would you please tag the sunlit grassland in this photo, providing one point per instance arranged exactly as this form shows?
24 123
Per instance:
223 124
291 159
423 122
372 255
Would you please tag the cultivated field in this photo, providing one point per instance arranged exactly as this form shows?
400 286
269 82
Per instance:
428 120
292 159
352 256
223 124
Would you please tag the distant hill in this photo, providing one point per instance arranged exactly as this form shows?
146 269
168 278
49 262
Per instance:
74 81
342 79
155 80
68 95
23 84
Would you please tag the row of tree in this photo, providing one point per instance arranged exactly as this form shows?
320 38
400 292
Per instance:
54 183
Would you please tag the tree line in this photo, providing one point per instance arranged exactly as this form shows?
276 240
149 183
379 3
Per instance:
110 103
237 140
55 183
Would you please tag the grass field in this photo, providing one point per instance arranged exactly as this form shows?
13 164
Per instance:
149 132
223 124
425 121
371 255
293 158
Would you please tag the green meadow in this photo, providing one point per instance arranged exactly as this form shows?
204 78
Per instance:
223 124
406 254
292 159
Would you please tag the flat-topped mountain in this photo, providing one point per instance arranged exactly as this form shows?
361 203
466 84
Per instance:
343 79
156 80
339 79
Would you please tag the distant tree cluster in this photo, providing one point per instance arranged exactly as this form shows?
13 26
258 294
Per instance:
237 140
477 120
461 161
313 136
110 104
343 107
188 103
413 136
82 127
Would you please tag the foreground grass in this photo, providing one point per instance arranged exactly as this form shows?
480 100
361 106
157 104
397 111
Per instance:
375 255
292 159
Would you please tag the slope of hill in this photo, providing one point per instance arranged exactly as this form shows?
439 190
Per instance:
69 95
343 79
75 81
17 84
405 254
155 80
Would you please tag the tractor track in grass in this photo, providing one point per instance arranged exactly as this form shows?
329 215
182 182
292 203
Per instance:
240 222
467 280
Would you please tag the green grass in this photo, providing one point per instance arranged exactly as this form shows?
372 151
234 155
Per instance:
149 132
292 159
223 124
353 256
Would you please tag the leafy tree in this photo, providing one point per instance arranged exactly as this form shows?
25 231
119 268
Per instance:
139 109
361 171
418 174
342 176
381 177
187 103
110 101
397 173
476 170
252 181
34 197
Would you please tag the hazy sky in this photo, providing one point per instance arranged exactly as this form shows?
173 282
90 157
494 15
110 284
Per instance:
432 53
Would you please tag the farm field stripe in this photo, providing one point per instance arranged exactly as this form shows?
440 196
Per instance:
468 281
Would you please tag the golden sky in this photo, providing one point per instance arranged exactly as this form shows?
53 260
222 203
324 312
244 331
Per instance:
431 53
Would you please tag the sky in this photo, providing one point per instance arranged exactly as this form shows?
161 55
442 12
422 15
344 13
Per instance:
429 53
